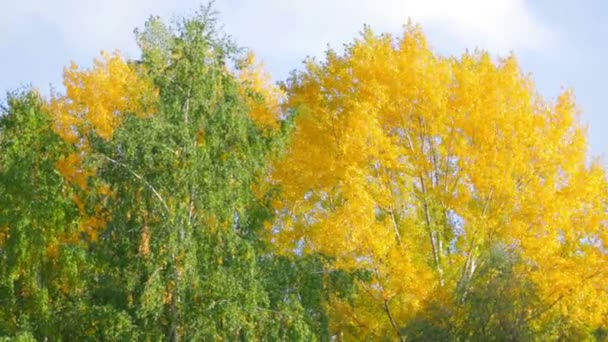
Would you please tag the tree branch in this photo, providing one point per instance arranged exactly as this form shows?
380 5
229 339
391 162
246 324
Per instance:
158 196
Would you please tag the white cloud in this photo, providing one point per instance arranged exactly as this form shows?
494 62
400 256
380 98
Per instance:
284 32
501 25
492 24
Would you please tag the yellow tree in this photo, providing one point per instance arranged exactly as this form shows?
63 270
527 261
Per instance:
97 100
413 166
263 97
95 103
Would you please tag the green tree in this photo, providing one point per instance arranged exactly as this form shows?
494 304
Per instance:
180 254
132 205
40 266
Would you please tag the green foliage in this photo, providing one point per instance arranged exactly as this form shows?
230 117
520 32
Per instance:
300 287
180 197
500 305
35 212
174 196
181 251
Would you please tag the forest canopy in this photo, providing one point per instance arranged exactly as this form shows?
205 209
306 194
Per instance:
381 192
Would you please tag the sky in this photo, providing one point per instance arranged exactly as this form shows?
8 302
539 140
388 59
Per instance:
559 42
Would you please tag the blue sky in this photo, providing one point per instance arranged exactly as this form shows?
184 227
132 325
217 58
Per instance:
560 42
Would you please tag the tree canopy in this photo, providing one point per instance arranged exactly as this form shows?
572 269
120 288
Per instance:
385 192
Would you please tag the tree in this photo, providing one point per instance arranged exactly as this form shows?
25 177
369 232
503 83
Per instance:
412 166
172 153
142 212
39 231
383 193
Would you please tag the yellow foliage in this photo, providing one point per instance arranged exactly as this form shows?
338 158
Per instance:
97 100
411 165
71 168
263 98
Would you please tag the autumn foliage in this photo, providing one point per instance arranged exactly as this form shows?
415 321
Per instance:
384 192
414 166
